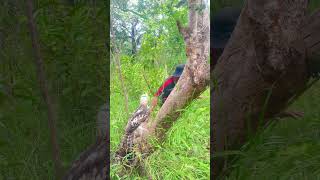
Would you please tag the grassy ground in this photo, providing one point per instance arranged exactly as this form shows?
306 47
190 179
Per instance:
288 149
185 152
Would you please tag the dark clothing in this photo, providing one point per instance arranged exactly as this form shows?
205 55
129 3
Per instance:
166 88
223 23
178 71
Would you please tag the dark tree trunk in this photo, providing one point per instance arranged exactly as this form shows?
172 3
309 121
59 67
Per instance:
133 37
262 68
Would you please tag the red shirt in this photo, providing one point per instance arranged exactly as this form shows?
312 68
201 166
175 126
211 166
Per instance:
169 82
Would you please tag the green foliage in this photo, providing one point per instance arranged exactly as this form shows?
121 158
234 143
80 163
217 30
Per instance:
72 39
161 42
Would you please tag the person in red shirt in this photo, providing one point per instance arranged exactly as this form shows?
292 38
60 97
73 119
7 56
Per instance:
165 89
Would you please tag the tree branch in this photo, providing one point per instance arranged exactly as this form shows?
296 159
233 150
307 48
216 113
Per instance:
43 84
195 77
132 11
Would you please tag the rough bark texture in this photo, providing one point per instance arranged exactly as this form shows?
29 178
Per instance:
195 77
311 35
193 81
263 66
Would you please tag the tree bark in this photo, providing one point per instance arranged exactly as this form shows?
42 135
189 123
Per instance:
43 84
263 67
193 81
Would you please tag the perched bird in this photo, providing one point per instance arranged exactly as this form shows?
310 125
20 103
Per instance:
92 164
140 116
102 116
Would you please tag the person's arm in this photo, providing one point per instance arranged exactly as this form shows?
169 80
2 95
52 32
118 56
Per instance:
160 91
154 101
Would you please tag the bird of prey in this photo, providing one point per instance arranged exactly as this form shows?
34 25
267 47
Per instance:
102 115
140 116
92 164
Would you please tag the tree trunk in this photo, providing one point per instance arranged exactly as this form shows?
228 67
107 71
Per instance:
262 68
43 84
193 81
133 37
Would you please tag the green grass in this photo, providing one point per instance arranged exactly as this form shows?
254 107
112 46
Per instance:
25 148
185 152
287 149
